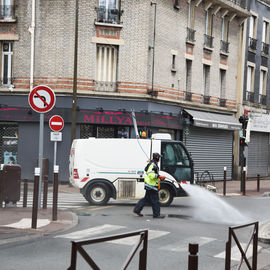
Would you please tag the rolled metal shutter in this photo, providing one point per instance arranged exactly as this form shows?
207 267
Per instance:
258 149
212 150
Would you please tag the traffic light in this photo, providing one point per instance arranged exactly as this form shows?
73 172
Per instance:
243 141
243 119
142 133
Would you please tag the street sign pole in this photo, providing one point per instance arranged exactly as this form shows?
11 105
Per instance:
40 156
55 153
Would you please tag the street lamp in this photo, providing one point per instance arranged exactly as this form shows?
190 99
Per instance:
74 97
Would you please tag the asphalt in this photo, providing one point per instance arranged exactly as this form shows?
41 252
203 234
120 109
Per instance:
15 222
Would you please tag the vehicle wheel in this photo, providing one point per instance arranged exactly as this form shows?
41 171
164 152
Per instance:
97 194
165 196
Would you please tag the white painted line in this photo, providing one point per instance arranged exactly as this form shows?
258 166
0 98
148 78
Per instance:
26 223
235 253
87 233
129 241
182 246
57 123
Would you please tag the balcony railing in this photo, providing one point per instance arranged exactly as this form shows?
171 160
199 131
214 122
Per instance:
206 99
252 43
208 41
249 96
222 102
6 12
105 86
224 46
190 35
188 96
262 99
265 48
108 15
241 3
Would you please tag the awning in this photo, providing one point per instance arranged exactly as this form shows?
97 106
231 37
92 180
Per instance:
214 120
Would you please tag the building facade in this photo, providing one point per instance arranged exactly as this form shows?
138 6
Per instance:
256 88
175 63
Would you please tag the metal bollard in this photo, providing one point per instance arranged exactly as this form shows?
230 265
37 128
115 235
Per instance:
55 192
258 182
224 181
244 180
35 198
193 257
45 191
25 191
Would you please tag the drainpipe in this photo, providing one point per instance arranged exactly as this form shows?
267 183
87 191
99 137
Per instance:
32 32
153 48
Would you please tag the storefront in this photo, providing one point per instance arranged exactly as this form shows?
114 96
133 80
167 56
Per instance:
210 141
19 128
258 145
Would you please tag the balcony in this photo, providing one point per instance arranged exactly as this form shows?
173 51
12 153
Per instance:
224 46
206 99
250 96
222 102
108 15
7 12
262 99
252 44
240 3
190 35
188 96
265 49
208 41
105 86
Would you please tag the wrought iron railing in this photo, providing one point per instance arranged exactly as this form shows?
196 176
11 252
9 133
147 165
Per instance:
190 35
108 15
6 12
188 96
206 99
249 96
262 99
105 86
208 41
222 102
252 43
265 48
224 46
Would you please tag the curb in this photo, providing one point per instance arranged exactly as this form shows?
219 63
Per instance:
264 233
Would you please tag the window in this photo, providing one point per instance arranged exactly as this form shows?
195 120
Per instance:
265 38
173 68
208 22
106 67
252 33
191 15
225 29
108 11
250 84
188 75
222 77
206 80
263 77
7 63
6 9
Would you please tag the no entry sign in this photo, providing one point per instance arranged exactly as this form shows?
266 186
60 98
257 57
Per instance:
41 99
56 123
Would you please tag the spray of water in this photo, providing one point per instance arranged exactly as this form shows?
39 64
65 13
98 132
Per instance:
209 207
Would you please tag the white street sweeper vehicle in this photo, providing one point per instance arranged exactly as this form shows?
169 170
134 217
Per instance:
114 168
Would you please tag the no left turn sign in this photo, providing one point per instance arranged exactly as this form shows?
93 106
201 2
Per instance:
41 99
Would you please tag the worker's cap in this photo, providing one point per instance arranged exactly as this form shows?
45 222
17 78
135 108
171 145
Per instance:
156 155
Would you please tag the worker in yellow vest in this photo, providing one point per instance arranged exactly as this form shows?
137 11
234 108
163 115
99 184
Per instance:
151 184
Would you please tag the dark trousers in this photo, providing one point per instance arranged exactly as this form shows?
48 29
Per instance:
150 196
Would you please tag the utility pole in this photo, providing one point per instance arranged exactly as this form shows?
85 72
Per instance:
74 97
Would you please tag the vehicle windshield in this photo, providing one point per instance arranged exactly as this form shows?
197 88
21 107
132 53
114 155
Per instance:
176 161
